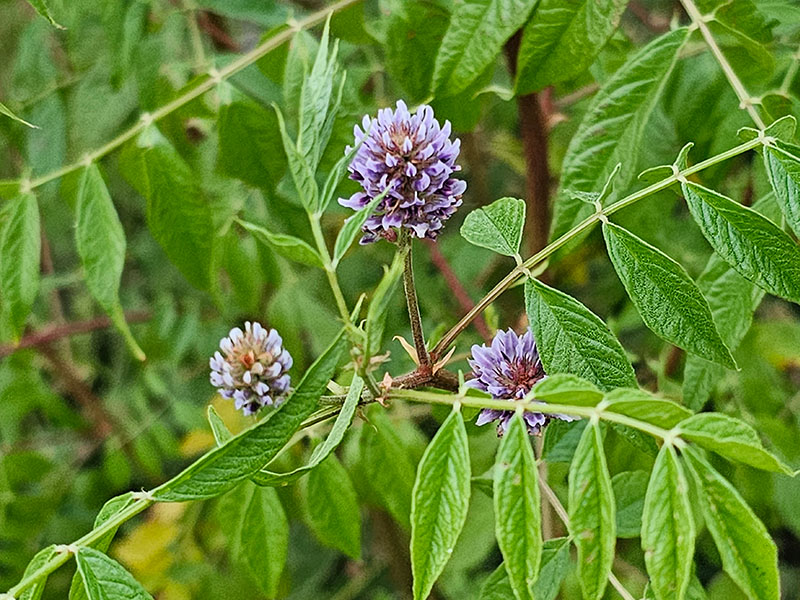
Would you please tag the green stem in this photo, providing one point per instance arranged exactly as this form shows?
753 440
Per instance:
333 280
59 559
207 84
410 289
519 271
745 99
587 412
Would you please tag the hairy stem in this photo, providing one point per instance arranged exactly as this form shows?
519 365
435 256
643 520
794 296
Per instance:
410 290
519 271
745 100
587 412
207 84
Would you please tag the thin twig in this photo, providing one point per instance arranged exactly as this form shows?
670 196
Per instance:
457 288
745 99
56 332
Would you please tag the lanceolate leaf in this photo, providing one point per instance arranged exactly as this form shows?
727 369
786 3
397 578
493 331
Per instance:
562 39
289 246
300 169
749 242
572 339
440 503
733 300
612 129
387 466
748 553
4 110
333 507
553 569
783 169
667 299
106 579
640 405
592 519
101 246
517 508
77 590
326 448
258 533
563 388
20 248
732 438
241 456
379 307
352 226
497 227
35 591
668 527
478 29
43 9
178 214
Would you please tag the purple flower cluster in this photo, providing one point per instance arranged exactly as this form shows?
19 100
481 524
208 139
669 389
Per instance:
415 158
251 368
507 370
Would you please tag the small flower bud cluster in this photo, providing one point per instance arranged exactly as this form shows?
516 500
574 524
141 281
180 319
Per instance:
252 368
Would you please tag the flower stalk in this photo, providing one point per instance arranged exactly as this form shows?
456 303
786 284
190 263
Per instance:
410 289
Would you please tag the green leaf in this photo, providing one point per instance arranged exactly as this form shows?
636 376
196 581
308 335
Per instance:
4 110
629 491
77 590
178 213
749 242
783 169
221 433
20 249
101 245
259 162
440 503
733 300
748 553
668 528
35 591
299 167
665 296
387 466
335 177
287 246
315 98
553 569
326 448
414 31
562 40
106 579
497 227
642 406
612 129
352 226
592 519
478 29
333 511
517 508
43 9
731 438
379 307
572 339
240 457
563 388
561 438
259 533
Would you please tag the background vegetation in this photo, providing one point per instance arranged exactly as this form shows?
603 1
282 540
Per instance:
82 419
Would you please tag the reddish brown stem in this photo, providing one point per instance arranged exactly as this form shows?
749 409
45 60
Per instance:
52 333
459 293
533 131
